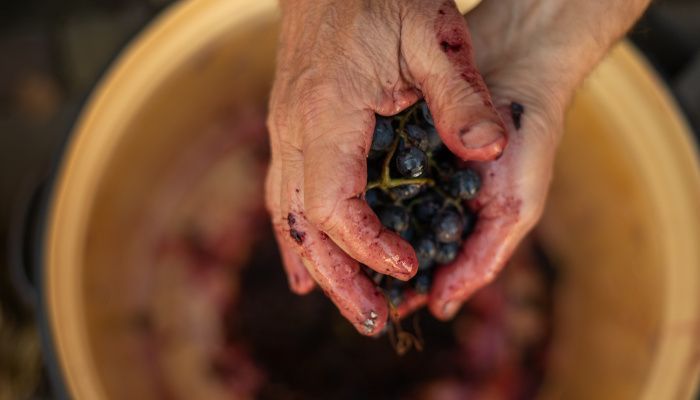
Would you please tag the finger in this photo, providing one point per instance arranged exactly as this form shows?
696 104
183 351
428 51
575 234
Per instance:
300 282
439 57
483 255
335 272
335 176
410 303
510 203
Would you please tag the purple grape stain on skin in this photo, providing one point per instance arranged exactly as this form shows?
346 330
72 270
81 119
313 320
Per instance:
298 236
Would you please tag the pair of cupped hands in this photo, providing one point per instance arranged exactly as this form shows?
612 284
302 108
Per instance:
340 62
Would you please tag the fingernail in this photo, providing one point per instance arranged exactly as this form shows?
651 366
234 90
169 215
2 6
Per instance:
408 270
483 135
399 265
450 309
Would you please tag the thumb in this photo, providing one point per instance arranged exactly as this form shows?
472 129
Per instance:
438 55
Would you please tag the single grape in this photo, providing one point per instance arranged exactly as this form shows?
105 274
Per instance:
464 184
394 290
395 295
446 252
469 222
448 225
444 162
422 281
434 139
374 170
425 113
408 234
394 217
418 136
411 162
427 207
383 135
375 197
425 252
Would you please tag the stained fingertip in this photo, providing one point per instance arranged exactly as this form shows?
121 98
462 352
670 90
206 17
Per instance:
357 230
443 310
362 304
373 322
298 277
398 254
449 309
340 277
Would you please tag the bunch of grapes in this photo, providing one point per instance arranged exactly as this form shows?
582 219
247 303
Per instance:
418 188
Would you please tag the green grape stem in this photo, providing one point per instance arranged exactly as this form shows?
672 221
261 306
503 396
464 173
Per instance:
386 182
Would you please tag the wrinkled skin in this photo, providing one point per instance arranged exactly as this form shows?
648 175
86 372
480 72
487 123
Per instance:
340 62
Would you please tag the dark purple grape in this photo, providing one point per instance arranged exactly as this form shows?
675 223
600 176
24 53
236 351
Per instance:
375 276
405 192
395 295
425 113
383 136
464 184
394 217
445 164
427 207
434 139
394 290
469 222
422 281
446 252
448 225
411 162
374 170
408 234
417 136
375 197
425 252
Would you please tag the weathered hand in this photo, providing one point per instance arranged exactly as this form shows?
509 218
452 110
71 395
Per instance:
532 53
339 63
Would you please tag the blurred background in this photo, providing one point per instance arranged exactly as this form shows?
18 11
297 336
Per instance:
52 55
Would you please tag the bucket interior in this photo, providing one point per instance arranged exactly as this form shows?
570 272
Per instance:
177 240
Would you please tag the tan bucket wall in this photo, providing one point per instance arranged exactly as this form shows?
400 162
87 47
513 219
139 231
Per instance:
623 220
